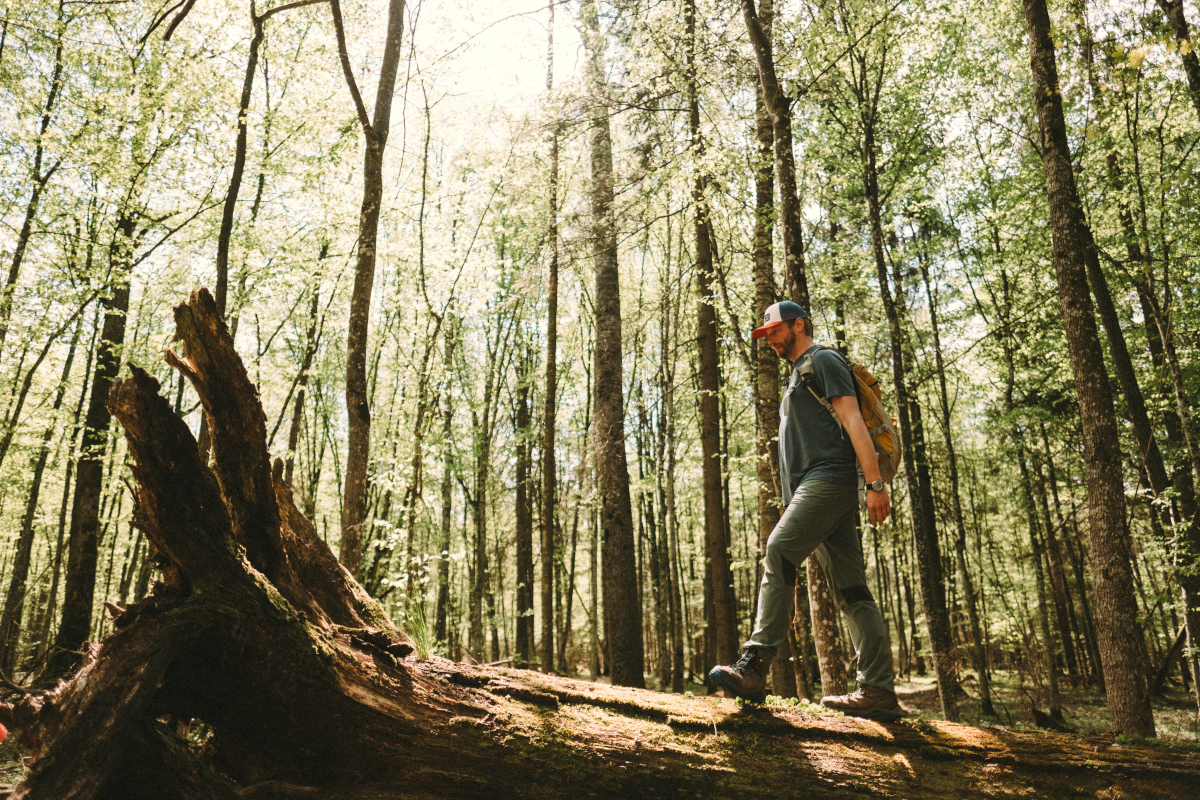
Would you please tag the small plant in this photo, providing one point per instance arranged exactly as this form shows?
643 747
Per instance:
413 623
801 704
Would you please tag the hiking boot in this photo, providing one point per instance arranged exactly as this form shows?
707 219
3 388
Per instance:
747 678
868 702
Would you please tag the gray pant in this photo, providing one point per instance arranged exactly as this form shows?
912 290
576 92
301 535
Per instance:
820 519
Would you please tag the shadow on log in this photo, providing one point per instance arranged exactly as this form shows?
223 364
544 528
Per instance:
257 635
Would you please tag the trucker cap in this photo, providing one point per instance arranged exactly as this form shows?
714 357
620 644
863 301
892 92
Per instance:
777 313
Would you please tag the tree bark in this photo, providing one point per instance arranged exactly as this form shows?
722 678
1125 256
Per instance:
978 647
1116 617
311 338
79 585
827 636
1049 649
549 465
524 512
622 603
765 366
1187 48
39 180
441 606
375 133
716 540
14 601
779 108
916 464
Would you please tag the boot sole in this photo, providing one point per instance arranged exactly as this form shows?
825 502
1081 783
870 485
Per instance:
715 683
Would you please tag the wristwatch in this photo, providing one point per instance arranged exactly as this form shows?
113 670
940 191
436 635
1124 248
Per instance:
875 486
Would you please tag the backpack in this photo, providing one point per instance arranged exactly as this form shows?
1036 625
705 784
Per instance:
880 424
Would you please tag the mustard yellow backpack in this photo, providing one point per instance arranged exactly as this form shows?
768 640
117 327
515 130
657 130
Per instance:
880 424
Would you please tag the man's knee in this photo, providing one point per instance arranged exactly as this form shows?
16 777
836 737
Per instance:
852 595
775 563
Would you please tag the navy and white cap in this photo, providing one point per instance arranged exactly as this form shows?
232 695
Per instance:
778 313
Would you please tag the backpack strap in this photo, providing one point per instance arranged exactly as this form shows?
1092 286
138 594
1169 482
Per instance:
808 378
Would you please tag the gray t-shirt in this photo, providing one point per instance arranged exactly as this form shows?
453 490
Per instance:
812 445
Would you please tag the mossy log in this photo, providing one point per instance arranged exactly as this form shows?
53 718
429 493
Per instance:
308 690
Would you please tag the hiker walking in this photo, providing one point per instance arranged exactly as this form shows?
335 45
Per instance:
823 440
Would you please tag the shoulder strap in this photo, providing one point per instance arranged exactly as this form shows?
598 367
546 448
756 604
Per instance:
808 377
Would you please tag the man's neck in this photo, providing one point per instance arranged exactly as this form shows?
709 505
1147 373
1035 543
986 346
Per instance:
803 343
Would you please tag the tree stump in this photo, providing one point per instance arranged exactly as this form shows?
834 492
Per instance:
258 636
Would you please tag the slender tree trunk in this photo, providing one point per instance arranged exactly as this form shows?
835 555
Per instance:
38 181
716 541
765 362
56 571
443 569
564 640
916 465
375 133
779 107
978 647
670 533
826 634
10 629
524 512
800 644
1125 674
1187 47
83 548
310 351
1049 648
549 466
1058 583
225 235
622 604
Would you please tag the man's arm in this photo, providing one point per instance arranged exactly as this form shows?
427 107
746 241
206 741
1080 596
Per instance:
846 406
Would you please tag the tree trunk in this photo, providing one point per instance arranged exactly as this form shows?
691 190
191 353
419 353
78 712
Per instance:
1187 48
916 465
779 107
225 234
827 636
978 647
716 541
1058 582
765 367
441 607
549 466
38 182
1049 649
375 133
310 351
524 512
622 604
14 601
79 585
1116 617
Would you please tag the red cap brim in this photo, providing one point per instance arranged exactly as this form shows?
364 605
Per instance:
760 332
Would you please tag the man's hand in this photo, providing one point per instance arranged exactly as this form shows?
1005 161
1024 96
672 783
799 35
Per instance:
879 506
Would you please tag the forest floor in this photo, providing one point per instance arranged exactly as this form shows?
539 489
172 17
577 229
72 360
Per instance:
1084 711
787 745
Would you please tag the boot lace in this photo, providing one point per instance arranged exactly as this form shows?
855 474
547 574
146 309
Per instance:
749 660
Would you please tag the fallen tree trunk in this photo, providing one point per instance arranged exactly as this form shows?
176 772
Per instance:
258 636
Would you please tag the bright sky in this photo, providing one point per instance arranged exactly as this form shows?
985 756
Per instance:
496 52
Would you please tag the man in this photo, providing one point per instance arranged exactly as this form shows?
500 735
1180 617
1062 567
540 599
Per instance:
819 459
